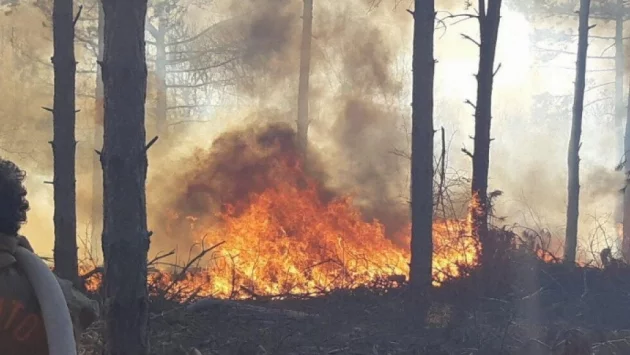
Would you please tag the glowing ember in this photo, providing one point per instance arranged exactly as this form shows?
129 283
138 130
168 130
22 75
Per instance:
92 278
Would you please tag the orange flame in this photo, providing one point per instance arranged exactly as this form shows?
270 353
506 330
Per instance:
289 240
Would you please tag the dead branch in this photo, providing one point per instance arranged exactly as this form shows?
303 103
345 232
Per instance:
496 70
151 142
160 257
181 275
78 15
465 36
468 102
467 152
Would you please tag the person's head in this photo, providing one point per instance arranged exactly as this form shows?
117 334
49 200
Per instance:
13 202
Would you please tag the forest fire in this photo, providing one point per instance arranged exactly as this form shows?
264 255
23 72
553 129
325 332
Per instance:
288 241
283 232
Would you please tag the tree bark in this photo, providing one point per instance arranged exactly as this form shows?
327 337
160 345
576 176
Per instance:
305 72
124 161
420 273
97 174
489 19
64 143
570 245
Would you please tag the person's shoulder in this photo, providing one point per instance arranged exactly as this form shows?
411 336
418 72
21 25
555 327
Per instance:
23 242
15 286
23 331
8 244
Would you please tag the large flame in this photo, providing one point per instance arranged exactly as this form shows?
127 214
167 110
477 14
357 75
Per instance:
289 240
290 236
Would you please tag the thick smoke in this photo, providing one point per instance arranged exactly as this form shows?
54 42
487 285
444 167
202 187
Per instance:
357 106
239 164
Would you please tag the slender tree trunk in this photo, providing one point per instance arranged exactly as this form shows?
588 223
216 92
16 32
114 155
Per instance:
305 72
619 78
570 245
420 273
625 248
623 206
64 143
160 70
97 174
489 18
124 161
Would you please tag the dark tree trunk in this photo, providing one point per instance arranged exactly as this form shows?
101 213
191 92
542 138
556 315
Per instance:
420 273
97 174
64 143
160 70
570 244
305 72
124 161
489 18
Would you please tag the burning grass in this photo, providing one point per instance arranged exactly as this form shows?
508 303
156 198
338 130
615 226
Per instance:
528 306
283 232
259 258
271 235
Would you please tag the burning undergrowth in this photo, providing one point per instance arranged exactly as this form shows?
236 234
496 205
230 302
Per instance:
283 229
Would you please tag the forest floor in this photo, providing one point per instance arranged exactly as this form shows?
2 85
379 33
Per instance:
527 307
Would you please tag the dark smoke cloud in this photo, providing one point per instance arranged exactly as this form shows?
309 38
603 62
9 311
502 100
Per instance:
357 106
239 164
365 144
269 32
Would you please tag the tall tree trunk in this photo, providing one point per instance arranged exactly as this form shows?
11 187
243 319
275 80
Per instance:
422 147
420 273
305 72
570 244
64 143
623 206
489 19
97 174
160 70
625 247
619 73
124 161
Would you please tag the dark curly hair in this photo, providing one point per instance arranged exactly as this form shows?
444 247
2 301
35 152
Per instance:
13 202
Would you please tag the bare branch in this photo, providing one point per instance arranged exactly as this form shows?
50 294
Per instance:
213 66
497 70
159 257
76 18
151 142
188 265
467 152
465 36
468 102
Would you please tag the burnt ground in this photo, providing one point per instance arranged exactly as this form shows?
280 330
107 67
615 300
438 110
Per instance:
521 306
